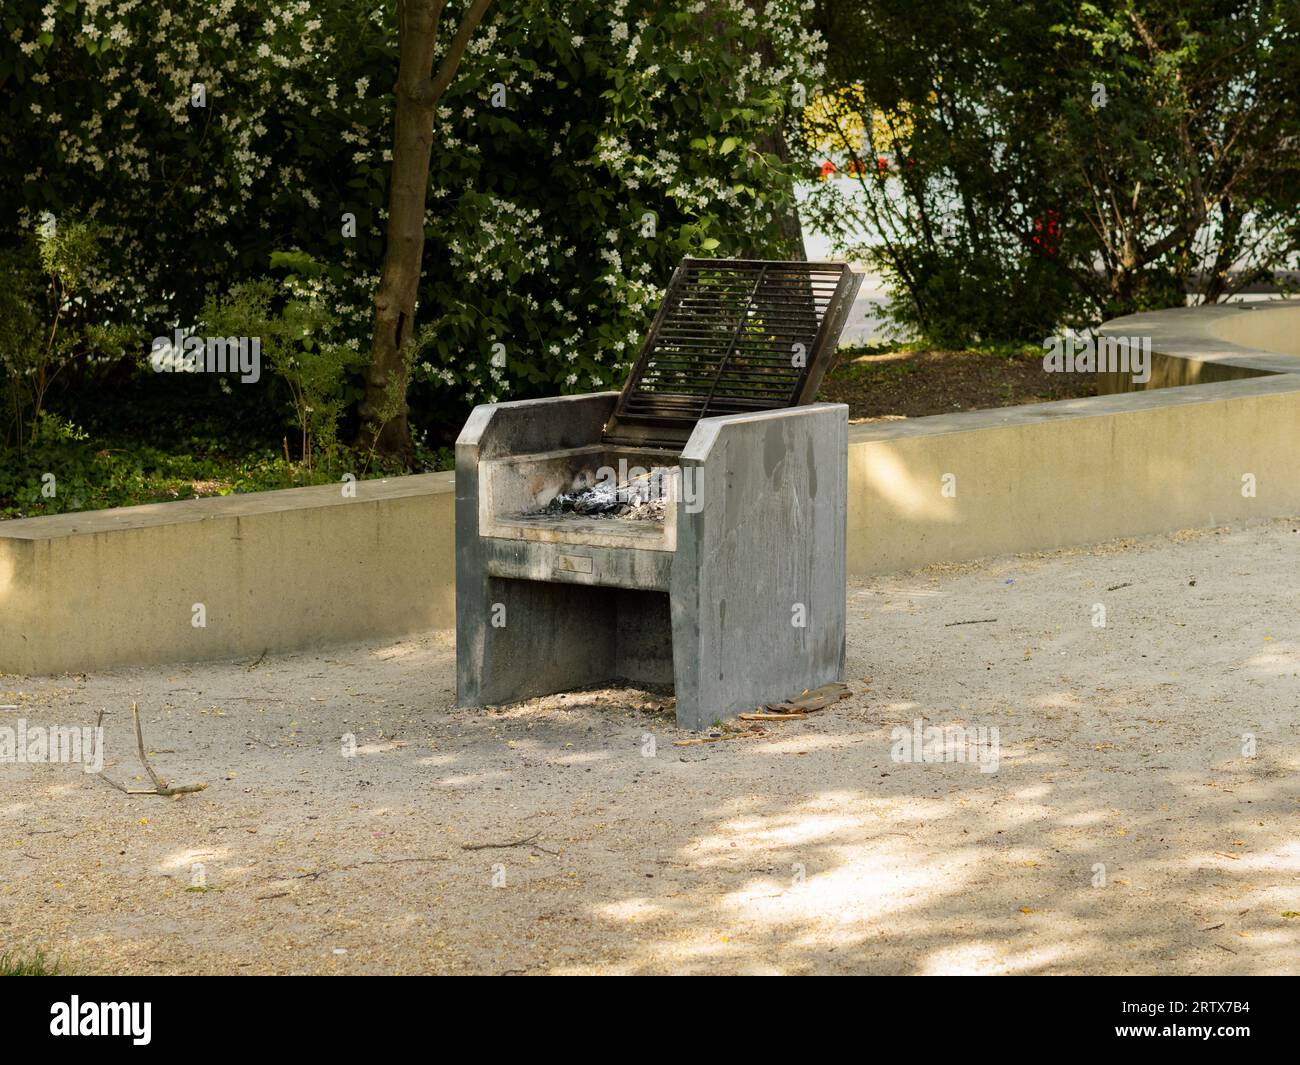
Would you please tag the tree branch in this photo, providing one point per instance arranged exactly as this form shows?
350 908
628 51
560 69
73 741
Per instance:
432 92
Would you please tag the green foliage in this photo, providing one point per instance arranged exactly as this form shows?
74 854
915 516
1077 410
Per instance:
937 193
119 468
35 963
67 251
628 133
20 323
580 151
295 332
628 138
46 308
1029 166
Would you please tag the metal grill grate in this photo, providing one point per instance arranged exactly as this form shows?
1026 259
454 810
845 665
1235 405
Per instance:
732 336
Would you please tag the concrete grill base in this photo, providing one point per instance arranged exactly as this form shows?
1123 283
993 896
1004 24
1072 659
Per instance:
736 599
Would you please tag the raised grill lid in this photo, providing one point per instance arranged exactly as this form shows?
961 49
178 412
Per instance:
733 336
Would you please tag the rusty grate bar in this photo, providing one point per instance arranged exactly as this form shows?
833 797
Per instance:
724 342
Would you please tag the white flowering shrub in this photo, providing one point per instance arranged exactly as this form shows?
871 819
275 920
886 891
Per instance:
581 151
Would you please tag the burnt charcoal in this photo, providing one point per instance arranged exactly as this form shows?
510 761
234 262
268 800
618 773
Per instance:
642 498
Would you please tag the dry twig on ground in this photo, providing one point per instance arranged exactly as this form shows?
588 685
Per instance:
160 786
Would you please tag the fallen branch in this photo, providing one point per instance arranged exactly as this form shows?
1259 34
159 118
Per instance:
499 846
771 717
160 786
717 739
973 621
316 874
400 861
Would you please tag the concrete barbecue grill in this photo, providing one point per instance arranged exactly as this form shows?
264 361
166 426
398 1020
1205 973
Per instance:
728 584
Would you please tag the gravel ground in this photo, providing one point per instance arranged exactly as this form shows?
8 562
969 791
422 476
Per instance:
802 849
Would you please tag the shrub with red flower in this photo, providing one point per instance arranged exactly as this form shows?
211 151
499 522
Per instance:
1046 237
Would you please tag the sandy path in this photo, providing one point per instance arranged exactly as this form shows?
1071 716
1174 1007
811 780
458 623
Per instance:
804 850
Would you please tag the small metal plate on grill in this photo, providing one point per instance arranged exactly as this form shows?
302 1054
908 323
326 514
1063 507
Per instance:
733 336
574 563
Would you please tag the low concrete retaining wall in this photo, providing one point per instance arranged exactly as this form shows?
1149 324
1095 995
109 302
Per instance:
1052 475
1202 345
274 570
305 567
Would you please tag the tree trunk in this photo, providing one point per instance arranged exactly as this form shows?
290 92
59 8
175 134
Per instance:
773 143
383 409
1216 284
788 223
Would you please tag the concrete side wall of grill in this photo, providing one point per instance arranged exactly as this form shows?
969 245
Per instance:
517 638
758 583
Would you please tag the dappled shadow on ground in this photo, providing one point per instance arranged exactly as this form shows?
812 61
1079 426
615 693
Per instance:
937 869
1125 830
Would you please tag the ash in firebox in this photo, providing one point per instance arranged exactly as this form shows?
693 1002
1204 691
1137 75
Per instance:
639 498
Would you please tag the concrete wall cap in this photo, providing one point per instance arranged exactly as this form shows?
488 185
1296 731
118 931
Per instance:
55 526
1232 334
